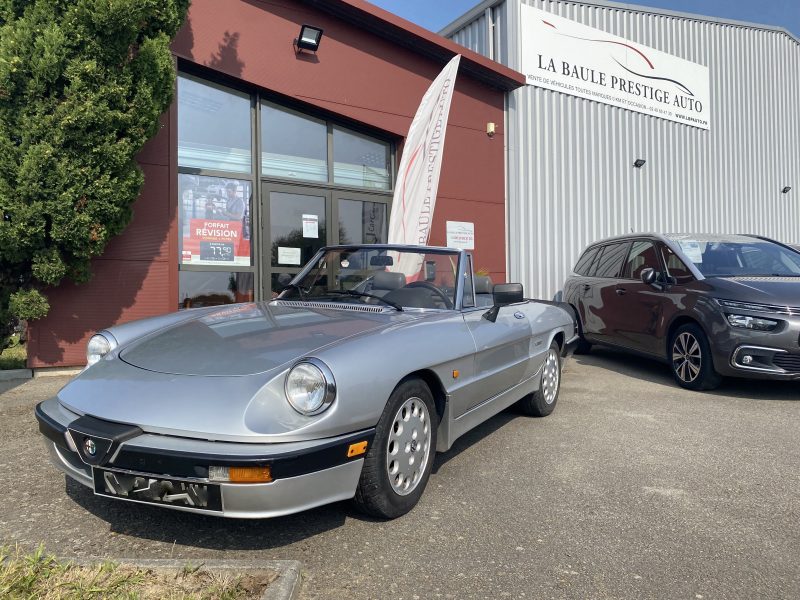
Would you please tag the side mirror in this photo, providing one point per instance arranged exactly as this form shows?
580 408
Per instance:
649 276
507 293
503 295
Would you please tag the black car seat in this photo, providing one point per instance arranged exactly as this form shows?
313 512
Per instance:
483 290
384 282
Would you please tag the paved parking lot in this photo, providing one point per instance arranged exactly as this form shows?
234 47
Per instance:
632 489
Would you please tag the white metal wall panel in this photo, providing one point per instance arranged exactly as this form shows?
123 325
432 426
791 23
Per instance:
475 36
570 174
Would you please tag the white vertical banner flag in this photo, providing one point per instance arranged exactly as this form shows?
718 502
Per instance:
420 167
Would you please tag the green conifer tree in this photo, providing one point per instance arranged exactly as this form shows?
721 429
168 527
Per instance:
82 86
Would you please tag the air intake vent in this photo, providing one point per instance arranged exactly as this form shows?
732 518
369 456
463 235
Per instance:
788 362
330 305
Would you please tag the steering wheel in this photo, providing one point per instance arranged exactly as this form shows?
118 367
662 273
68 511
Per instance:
429 286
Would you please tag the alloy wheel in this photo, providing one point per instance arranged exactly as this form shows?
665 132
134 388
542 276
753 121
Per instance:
408 449
551 376
687 357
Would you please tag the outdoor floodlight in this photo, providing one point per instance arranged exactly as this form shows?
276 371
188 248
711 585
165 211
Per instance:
309 38
786 190
639 163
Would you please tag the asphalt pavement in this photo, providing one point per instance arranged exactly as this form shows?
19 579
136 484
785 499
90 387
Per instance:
633 488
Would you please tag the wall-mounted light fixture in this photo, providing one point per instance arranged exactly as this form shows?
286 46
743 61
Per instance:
308 39
490 129
639 163
786 190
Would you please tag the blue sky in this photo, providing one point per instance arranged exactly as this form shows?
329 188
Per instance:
435 14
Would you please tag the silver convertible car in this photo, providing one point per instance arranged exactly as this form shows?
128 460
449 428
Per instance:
344 386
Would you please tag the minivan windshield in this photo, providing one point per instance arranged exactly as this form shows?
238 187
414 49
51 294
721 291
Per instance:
738 256
390 277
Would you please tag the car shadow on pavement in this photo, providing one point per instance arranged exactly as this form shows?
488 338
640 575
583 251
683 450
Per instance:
474 436
203 531
652 371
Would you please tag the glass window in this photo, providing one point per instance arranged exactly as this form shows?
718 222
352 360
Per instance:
582 268
293 145
405 278
468 300
739 256
209 288
362 222
676 268
297 226
642 256
213 127
360 160
214 220
610 262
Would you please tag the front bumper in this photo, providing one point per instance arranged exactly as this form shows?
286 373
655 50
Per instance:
773 354
305 474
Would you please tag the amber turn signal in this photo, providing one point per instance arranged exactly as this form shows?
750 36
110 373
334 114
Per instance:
356 449
240 474
250 474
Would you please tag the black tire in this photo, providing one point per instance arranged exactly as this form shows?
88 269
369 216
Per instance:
376 494
543 401
690 359
583 347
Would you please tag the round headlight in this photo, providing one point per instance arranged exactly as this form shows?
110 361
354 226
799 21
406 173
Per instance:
97 348
310 388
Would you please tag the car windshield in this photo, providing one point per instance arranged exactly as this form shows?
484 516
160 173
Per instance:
739 256
397 278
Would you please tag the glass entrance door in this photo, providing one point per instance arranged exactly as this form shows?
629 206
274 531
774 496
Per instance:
295 226
299 220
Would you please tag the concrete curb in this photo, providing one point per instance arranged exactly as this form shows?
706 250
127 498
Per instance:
11 374
285 587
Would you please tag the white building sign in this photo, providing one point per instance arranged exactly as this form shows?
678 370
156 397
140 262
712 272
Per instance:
461 234
565 56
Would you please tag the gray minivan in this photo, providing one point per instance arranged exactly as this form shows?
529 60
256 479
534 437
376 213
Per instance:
708 305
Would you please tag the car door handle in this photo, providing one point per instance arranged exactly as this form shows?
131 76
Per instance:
621 291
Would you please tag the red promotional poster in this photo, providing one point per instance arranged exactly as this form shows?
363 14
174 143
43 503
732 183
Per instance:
215 221
216 241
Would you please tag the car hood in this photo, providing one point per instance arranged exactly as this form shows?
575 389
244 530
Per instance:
780 291
249 339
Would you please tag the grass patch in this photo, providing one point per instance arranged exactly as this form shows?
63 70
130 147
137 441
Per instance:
42 576
15 356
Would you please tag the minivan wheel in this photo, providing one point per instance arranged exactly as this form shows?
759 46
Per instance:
690 358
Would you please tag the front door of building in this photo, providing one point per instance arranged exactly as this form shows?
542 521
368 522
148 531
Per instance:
299 220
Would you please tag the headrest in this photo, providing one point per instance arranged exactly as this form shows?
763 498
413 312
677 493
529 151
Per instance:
483 284
384 280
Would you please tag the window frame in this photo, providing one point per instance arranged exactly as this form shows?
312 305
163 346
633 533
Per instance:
623 258
654 243
258 181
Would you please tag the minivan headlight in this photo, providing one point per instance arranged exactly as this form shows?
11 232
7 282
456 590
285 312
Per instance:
748 322
310 388
98 346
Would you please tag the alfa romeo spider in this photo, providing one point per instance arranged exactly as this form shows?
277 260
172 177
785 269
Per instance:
371 360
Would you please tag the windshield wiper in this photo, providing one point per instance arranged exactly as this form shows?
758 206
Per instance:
294 286
355 294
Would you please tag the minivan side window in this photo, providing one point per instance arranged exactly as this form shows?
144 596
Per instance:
585 261
676 268
642 256
610 263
